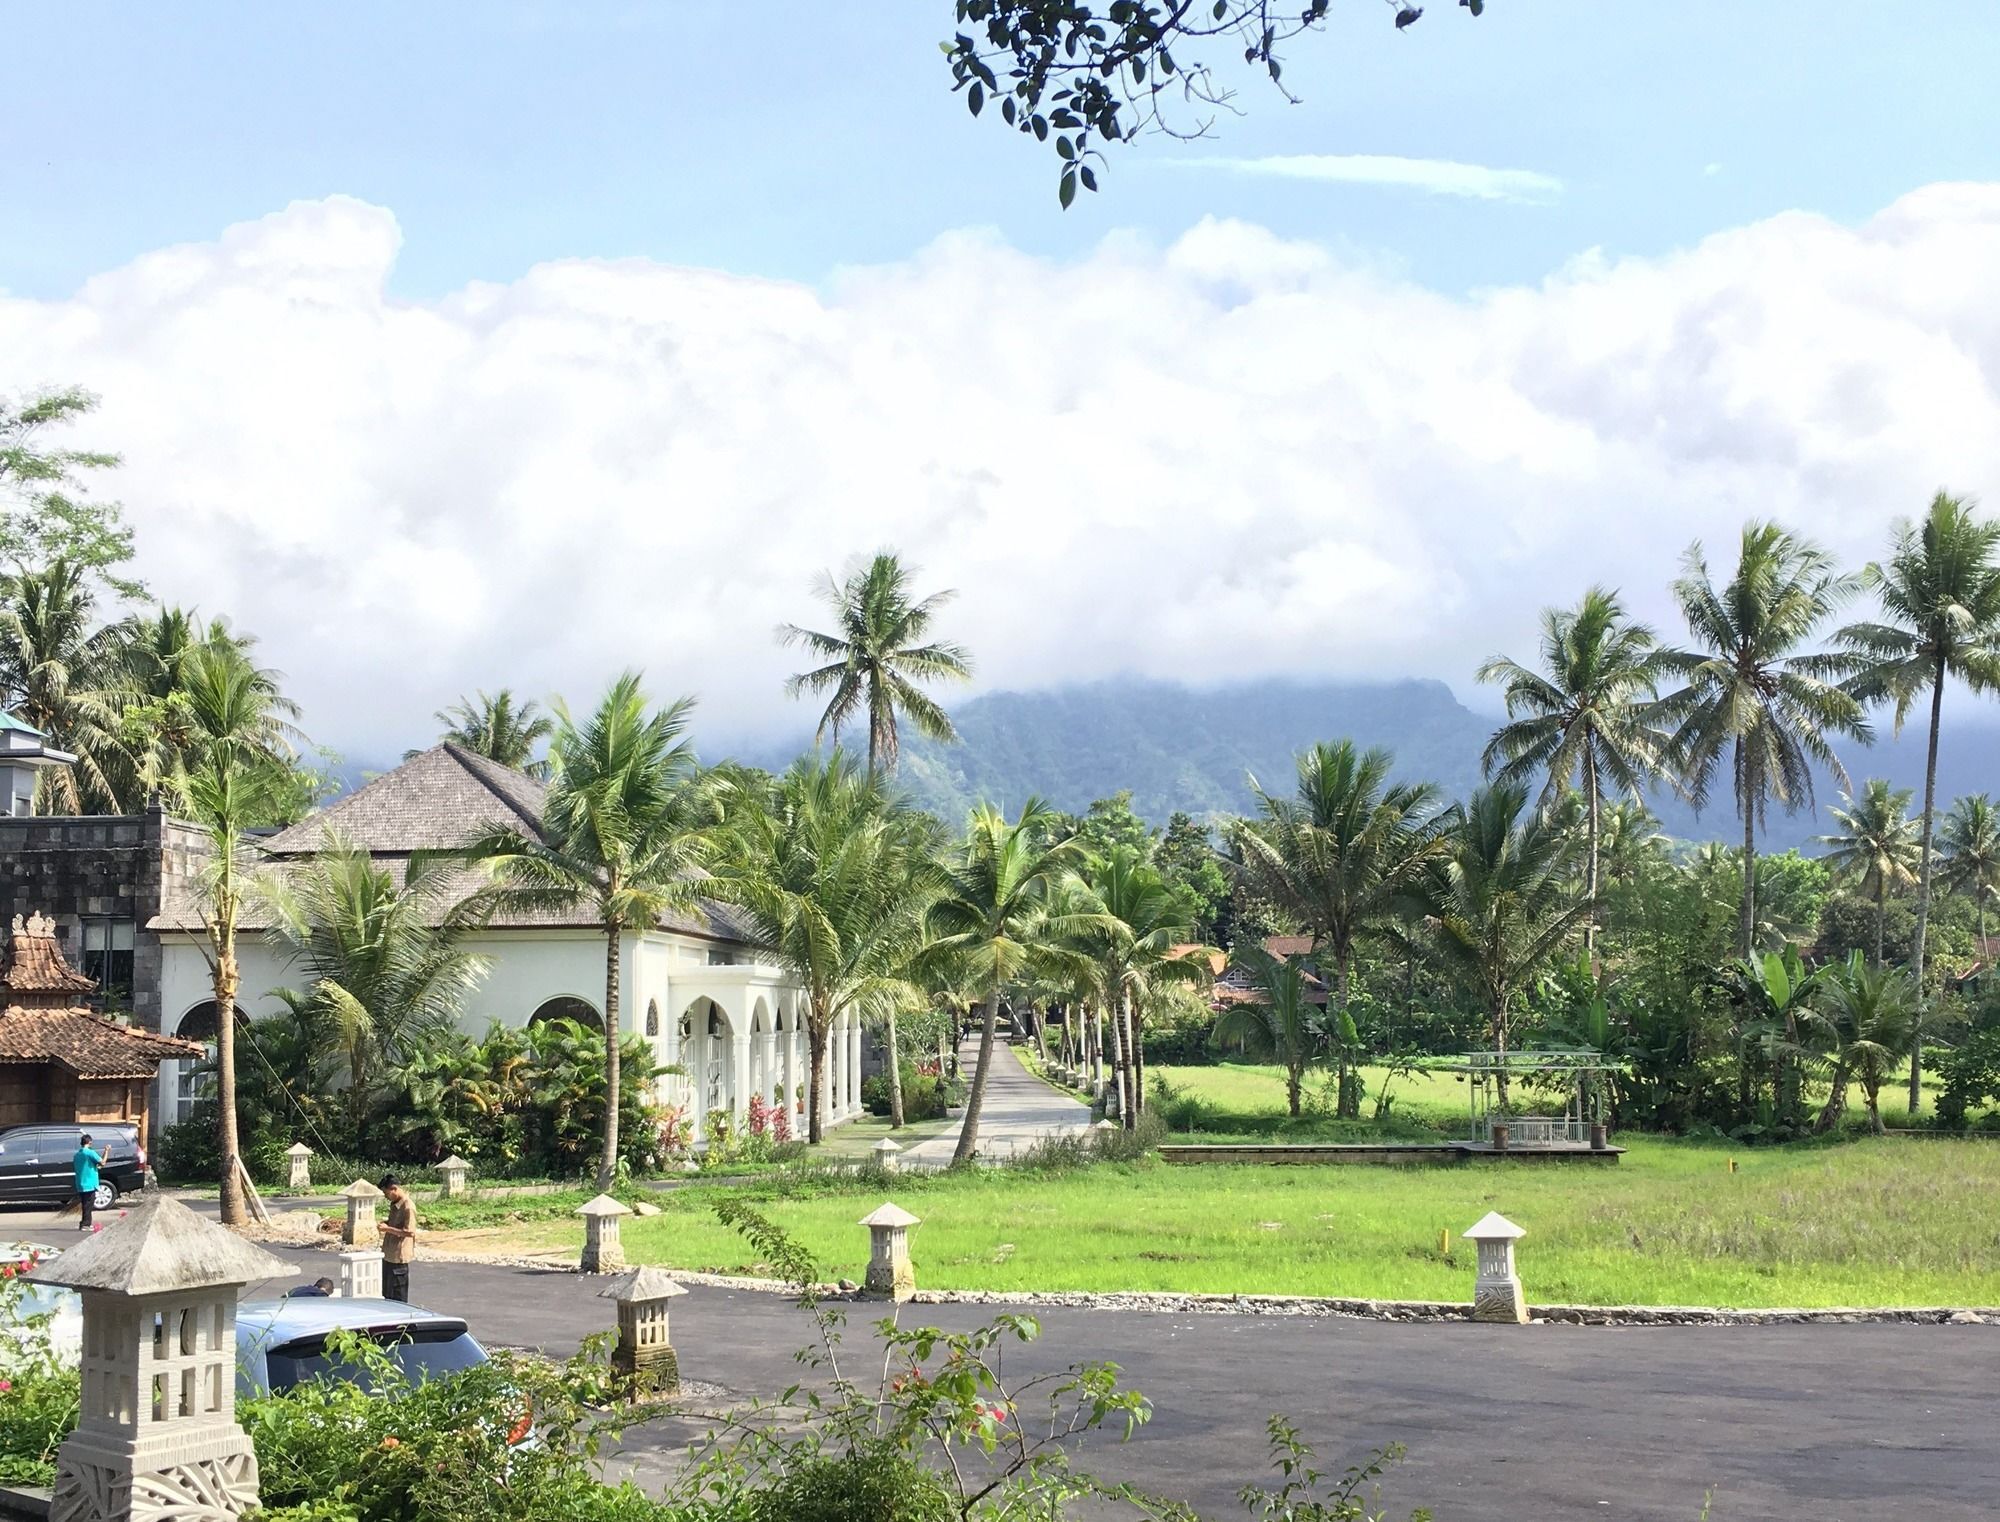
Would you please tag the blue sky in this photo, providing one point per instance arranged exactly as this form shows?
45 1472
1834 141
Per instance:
819 135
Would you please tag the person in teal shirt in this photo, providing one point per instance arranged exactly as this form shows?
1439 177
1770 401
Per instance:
87 1161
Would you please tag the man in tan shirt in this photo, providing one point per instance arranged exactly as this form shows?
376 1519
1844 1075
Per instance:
399 1239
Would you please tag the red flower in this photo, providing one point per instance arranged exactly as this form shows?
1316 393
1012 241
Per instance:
6 1385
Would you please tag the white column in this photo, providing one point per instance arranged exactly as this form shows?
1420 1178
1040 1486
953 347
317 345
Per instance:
736 1081
836 1060
770 1077
854 1065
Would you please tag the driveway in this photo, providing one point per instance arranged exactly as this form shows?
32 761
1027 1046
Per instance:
1018 1111
1503 1424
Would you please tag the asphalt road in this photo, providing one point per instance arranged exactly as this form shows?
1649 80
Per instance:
1833 1423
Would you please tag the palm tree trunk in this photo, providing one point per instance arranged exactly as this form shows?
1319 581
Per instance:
1747 802
1292 1085
968 1133
227 975
1836 1101
895 1076
1590 793
1347 1095
1881 914
607 1165
1136 1034
1117 1058
1499 997
818 1025
1924 886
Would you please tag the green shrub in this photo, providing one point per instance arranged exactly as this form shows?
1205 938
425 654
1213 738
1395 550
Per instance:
923 1094
874 1483
1971 1076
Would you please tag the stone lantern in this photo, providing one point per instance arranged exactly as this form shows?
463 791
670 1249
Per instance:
361 1230
603 1253
885 1152
889 1271
301 1176
156 1436
452 1171
360 1276
1496 1294
645 1354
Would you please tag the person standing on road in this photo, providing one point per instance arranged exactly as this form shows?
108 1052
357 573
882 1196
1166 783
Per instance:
399 1240
86 1162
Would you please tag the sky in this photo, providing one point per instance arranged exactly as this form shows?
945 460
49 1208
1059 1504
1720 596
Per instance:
468 345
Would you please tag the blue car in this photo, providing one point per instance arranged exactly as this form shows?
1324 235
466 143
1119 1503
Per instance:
281 1343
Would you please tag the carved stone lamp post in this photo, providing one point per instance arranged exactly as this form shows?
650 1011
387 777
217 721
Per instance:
645 1354
361 1230
1496 1294
603 1253
889 1271
156 1438
301 1175
885 1152
452 1171
360 1274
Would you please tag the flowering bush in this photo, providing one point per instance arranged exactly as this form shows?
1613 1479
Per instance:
38 1396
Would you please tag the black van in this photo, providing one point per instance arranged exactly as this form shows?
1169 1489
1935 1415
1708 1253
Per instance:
37 1161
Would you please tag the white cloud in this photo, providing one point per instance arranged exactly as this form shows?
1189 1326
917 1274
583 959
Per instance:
1438 177
1230 456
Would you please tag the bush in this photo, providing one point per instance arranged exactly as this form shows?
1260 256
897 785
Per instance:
1971 1077
924 1094
875 1483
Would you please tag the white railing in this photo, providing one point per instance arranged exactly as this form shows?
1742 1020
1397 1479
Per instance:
1538 1130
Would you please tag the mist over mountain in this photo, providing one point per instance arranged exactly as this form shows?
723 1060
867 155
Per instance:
1178 747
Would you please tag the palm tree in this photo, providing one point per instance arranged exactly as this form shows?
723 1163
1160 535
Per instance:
1340 854
386 962
1137 930
1940 596
1970 848
1591 719
499 729
877 657
1876 846
1753 692
57 672
993 921
626 831
1282 1023
159 728
835 876
1502 901
1775 993
1873 1013
231 780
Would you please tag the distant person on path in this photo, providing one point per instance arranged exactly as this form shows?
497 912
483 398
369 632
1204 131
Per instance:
86 1162
399 1240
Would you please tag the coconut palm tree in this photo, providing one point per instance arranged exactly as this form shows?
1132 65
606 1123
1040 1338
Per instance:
1875 847
1753 692
1502 900
1940 596
498 728
1340 854
231 779
835 876
58 672
1969 845
387 971
1873 1014
159 728
625 833
876 658
994 921
1282 1024
1590 717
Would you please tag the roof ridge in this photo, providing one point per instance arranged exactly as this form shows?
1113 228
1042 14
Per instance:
477 767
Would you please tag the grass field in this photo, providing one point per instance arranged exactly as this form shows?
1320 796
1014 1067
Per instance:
1889 1222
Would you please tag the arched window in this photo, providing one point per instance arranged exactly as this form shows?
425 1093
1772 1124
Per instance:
564 1007
652 1017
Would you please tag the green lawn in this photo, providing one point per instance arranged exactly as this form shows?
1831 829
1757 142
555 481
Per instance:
1888 1222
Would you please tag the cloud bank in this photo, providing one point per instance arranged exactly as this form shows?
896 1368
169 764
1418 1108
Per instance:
1438 177
1232 456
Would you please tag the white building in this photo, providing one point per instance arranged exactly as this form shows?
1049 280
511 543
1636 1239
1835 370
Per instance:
691 984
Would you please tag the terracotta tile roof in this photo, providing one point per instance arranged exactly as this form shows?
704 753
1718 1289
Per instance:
89 1045
35 965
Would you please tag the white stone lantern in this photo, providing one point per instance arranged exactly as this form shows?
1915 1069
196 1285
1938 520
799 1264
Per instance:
886 1152
889 1271
1496 1294
301 1175
645 1353
603 1253
156 1436
360 1276
452 1171
361 1230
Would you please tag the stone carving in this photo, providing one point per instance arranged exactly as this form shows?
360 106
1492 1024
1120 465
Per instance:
205 1490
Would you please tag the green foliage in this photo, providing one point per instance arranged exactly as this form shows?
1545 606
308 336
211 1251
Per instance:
923 1093
871 1482
1306 1493
1971 1075
38 1397
45 513
498 728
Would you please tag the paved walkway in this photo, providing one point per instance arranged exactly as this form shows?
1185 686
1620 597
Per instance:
1019 1110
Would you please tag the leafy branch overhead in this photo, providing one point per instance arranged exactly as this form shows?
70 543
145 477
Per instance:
1085 74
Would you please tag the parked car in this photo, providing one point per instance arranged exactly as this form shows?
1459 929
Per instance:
281 1343
37 1161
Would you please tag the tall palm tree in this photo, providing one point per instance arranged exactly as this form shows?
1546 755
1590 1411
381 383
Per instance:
231 780
835 876
1502 901
1940 596
158 726
386 964
1754 692
1590 717
500 729
993 921
626 831
1875 847
1282 1023
1969 845
877 656
58 672
1340 854
1137 930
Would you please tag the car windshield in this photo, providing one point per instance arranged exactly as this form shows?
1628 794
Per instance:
420 1355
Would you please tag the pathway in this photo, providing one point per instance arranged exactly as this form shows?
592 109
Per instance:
1019 1110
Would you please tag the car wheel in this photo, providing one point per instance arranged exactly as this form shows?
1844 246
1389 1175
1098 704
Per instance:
106 1197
